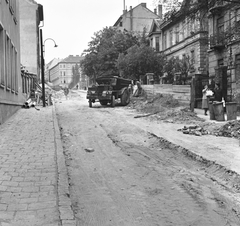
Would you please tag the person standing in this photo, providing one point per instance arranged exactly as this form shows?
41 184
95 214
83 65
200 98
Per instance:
205 99
217 93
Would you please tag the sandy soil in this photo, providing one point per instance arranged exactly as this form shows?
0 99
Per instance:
122 174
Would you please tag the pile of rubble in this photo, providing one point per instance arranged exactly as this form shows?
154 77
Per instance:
230 129
181 115
164 107
194 130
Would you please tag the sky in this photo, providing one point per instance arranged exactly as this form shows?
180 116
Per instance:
72 23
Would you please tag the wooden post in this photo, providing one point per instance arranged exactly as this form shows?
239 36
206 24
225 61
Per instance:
192 97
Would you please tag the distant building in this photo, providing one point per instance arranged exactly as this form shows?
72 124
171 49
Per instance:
62 73
11 98
137 19
48 68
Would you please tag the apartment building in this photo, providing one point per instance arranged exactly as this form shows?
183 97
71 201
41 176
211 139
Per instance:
48 68
137 19
181 37
31 14
224 49
62 73
11 97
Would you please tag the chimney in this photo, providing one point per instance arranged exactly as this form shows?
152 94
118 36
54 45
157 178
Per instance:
160 11
144 5
155 11
124 7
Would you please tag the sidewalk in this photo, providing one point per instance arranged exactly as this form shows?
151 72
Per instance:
223 151
200 113
33 177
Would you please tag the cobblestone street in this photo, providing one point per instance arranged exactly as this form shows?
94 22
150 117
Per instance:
29 191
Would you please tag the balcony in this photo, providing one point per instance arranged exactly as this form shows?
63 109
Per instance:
217 41
217 8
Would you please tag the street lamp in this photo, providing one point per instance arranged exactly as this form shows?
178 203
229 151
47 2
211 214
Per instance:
43 63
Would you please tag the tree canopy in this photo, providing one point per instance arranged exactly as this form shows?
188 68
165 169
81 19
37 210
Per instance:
75 77
139 60
103 51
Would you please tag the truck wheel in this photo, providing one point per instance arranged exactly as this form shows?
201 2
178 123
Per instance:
113 101
103 102
125 98
90 103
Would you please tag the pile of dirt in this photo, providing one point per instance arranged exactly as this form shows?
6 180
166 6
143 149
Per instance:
229 129
164 107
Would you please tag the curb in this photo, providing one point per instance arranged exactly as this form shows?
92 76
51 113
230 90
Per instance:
226 176
66 214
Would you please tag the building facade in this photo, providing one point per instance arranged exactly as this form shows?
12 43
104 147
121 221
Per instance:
137 19
62 73
185 40
11 98
30 16
224 48
48 68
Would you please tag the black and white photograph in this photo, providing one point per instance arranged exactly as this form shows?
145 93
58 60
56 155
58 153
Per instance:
120 113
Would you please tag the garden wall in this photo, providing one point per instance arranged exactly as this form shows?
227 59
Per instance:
179 92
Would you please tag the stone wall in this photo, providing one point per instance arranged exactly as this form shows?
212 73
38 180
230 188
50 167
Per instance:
179 92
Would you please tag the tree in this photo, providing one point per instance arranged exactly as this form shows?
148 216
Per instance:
183 66
139 60
103 51
169 69
75 77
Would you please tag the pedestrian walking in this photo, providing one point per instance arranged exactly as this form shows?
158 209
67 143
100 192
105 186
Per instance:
205 99
66 92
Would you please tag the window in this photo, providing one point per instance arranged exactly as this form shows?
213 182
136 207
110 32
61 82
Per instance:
120 24
192 57
220 62
164 41
151 42
2 80
237 14
12 67
183 29
177 34
16 71
220 25
7 62
237 59
170 38
157 44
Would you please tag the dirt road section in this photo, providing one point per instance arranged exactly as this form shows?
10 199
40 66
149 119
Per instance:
123 173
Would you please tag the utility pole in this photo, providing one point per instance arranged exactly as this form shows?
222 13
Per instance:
42 70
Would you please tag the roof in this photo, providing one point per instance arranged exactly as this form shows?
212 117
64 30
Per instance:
72 59
155 23
143 5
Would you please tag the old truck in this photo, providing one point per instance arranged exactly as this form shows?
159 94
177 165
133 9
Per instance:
108 90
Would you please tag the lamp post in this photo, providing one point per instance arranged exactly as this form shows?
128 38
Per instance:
43 63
